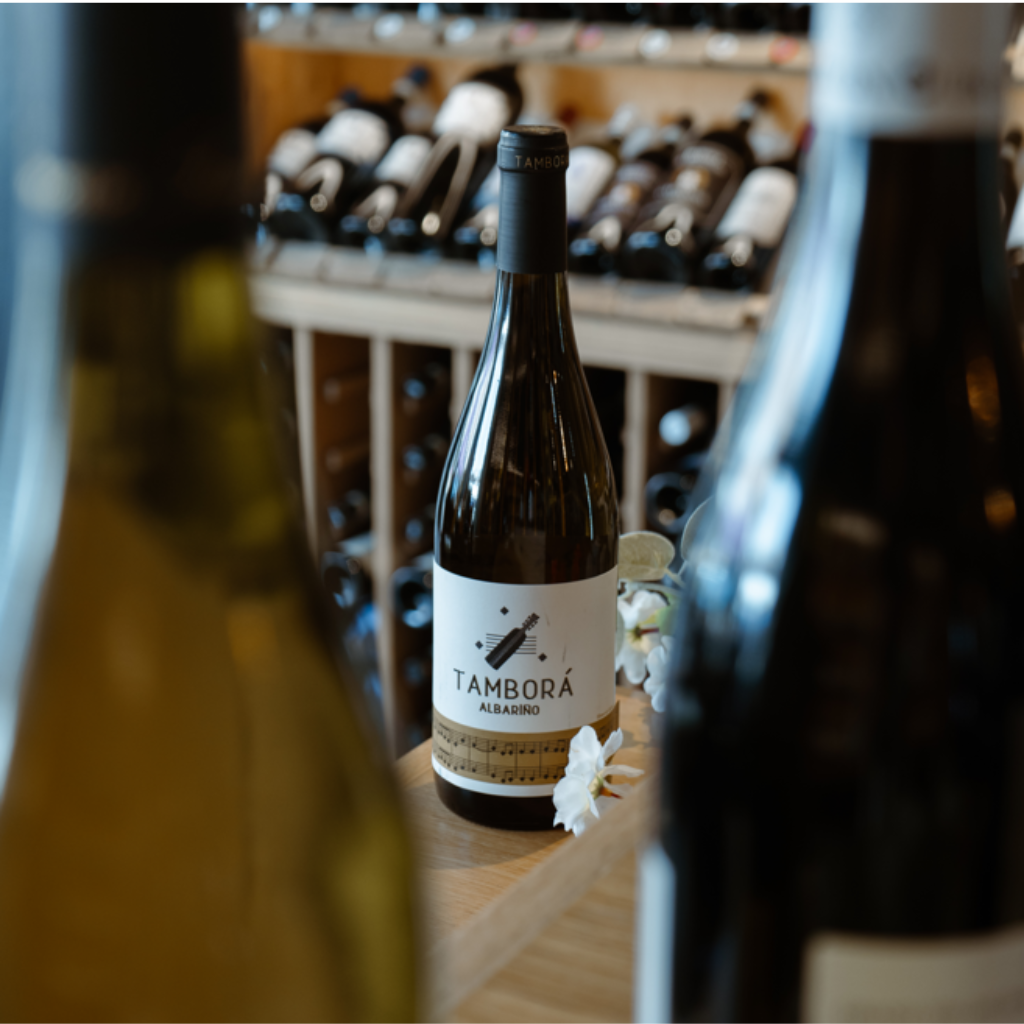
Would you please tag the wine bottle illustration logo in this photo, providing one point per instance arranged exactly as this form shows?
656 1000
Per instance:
511 642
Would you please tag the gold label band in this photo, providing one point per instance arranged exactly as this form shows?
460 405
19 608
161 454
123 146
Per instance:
538 759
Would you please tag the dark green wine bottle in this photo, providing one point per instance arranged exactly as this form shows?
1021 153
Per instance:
527 525
841 824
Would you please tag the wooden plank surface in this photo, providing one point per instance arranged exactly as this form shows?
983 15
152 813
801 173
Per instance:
489 893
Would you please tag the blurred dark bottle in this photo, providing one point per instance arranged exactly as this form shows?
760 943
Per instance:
425 387
592 165
195 824
466 128
424 456
746 17
646 157
687 426
672 229
668 497
1008 189
348 516
412 594
749 235
840 834
348 149
418 530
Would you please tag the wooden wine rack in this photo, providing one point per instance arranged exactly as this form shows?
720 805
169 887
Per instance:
387 316
637 329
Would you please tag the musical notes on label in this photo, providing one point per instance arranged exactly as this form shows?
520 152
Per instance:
509 759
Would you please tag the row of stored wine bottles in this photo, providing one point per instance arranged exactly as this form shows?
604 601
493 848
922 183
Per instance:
674 202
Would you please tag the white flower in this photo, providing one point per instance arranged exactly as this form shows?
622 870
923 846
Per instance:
658 662
581 794
638 635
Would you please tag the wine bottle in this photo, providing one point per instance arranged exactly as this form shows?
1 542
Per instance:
527 524
671 230
412 595
685 426
750 233
418 459
466 128
419 529
668 497
348 516
422 386
349 147
841 806
194 823
595 249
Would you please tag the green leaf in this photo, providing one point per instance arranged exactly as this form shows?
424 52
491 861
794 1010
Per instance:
644 556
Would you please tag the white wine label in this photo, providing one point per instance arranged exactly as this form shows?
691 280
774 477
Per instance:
404 160
355 135
852 978
294 150
929 70
523 662
476 110
761 207
655 944
589 173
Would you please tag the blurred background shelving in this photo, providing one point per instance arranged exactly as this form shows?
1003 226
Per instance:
379 347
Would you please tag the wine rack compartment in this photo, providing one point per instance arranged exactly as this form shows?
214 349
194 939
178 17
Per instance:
381 375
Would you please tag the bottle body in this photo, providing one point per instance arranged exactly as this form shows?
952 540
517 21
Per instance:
526 532
184 832
840 751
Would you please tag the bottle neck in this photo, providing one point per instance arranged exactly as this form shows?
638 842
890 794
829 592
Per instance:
532 240
531 322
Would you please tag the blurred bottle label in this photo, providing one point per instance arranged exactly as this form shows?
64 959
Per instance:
909 69
294 150
475 110
762 207
849 978
590 170
354 135
403 160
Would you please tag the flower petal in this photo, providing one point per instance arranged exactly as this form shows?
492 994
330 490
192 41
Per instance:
622 769
611 744
585 747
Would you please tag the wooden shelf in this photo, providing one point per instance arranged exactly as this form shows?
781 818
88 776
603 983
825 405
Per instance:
510 916
565 43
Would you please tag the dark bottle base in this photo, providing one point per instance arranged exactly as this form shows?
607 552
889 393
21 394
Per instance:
519 814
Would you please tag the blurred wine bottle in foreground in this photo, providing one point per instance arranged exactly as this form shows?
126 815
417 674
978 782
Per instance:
842 825
195 824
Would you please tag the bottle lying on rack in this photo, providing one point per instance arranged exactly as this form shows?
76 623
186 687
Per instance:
348 148
196 823
595 250
592 165
668 497
526 540
749 235
466 129
424 456
347 516
672 229
412 595
839 831
422 386
392 177
419 529
686 426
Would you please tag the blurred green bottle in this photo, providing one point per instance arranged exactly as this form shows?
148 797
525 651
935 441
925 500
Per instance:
195 822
